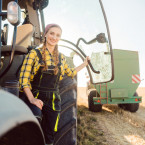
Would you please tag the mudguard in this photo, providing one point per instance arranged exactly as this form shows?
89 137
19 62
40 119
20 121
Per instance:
14 114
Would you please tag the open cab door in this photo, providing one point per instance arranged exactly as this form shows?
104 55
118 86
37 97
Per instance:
85 32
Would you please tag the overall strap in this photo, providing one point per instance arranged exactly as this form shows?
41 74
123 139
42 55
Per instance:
59 60
39 55
59 57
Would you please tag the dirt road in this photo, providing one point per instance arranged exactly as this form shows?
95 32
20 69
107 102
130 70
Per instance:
121 127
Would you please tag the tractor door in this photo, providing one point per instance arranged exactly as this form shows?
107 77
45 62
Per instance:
85 33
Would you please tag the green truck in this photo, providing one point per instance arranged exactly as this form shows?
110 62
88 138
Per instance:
122 90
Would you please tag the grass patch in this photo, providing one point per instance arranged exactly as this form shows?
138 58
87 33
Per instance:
88 132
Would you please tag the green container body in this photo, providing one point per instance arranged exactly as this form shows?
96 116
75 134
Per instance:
126 81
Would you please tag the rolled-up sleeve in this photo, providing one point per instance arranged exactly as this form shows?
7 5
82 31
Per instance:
25 73
71 72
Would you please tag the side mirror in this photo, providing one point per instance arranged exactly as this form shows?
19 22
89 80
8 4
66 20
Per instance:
13 13
101 38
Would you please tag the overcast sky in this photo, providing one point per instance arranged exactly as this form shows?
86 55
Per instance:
126 20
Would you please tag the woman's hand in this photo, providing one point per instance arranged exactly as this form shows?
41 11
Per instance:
86 60
31 98
37 102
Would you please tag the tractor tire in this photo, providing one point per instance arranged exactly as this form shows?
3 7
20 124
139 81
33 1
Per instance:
132 107
67 126
94 107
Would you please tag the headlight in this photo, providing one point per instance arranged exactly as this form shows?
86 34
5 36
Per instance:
13 13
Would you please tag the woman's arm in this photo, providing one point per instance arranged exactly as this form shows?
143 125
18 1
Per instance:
25 73
71 72
84 64
31 98
24 78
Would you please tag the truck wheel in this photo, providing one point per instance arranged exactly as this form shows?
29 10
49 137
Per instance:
122 106
66 134
132 107
94 107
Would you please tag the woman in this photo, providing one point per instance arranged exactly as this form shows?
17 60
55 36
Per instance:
41 71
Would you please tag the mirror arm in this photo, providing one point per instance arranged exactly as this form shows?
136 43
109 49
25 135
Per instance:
12 52
90 42
81 53
80 40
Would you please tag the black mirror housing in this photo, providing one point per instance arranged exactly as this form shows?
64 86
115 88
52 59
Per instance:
101 38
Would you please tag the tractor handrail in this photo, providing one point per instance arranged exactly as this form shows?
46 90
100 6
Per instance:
82 54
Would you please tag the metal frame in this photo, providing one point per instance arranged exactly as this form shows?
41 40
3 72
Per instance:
13 44
34 20
80 57
82 52
109 37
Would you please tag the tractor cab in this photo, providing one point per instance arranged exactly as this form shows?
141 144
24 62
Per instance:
85 33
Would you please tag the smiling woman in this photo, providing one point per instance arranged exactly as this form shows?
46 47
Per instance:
45 67
53 36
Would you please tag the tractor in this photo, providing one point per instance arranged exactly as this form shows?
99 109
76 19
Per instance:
85 33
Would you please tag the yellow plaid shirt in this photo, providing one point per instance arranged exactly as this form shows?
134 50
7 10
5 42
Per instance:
32 60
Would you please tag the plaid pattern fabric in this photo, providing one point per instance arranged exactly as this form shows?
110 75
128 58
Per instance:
31 65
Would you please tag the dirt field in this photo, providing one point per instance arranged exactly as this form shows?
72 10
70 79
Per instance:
119 127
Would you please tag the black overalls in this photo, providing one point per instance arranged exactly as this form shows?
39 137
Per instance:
45 88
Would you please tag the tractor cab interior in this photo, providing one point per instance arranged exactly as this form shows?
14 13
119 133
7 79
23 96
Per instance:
23 42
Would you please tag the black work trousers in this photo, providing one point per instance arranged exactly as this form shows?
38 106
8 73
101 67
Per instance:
48 120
